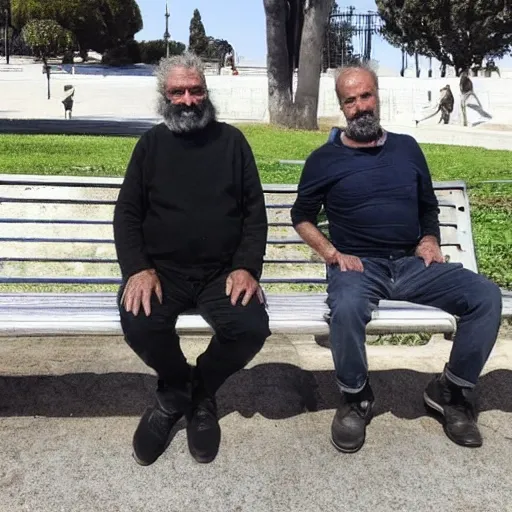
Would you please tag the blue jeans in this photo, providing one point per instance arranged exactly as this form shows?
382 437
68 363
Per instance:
352 296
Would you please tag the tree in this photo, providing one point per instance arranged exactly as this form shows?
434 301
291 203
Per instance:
338 47
47 39
5 13
217 49
301 111
97 24
122 19
5 8
151 52
198 42
459 33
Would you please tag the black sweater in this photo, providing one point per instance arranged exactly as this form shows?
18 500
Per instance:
191 202
379 201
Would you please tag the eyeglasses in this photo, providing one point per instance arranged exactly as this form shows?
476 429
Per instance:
179 92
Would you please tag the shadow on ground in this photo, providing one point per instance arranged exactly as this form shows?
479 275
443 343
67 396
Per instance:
274 390
130 128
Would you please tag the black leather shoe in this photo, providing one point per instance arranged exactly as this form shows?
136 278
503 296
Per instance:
203 429
348 430
457 407
154 432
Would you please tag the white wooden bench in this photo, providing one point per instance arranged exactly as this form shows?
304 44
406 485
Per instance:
58 268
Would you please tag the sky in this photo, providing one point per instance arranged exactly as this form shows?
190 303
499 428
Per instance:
242 23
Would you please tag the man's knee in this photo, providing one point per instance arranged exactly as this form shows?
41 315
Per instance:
480 296
248 324
141 324
256 327
483 293
346 307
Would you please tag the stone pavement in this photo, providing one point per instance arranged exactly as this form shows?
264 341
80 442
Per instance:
68 409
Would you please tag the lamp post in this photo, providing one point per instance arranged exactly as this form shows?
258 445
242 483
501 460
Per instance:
167 36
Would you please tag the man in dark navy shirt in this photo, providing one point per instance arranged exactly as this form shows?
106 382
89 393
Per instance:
190 229
384 243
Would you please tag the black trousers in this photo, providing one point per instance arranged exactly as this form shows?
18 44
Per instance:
240 331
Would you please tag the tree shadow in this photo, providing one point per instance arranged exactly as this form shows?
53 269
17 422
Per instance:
274 390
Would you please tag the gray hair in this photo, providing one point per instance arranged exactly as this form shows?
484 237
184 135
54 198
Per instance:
187 60
360 66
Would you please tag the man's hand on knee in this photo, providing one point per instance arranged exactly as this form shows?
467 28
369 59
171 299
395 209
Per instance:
240 282
428 249
138 291
345 261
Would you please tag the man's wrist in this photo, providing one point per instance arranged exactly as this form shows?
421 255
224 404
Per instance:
329 255
252 272
429 239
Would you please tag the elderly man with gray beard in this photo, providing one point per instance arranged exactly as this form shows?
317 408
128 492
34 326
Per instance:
190 230
384 241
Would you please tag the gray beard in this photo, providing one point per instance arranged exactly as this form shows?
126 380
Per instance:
364 128
183 119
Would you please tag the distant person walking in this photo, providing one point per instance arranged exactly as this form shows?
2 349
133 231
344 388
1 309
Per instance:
67 101
466 92
445 106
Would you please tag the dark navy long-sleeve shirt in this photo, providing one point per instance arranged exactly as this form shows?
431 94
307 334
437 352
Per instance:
379 201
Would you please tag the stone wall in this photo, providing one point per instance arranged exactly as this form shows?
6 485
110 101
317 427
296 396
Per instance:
237 98
402 99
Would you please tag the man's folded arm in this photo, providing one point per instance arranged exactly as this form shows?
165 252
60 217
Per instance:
128 217
251 250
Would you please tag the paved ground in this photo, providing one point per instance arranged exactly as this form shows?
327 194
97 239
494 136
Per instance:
68 409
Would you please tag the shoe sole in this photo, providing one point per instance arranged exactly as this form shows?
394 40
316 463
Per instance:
345 450
439 409
203 460
140 462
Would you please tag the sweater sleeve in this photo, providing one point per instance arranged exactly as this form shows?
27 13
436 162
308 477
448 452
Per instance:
129 214
310 196
428 205
251 250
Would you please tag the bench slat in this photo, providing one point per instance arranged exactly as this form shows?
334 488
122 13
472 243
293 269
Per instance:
96 314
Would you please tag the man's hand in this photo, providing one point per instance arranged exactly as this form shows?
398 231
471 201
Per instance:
241 282
428 249
138 290
344 261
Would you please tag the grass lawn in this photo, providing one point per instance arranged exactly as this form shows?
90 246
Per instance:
108 156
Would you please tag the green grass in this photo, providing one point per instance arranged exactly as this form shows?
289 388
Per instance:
491 205
65 155
108 156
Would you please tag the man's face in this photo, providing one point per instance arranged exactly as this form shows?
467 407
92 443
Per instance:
185 87
360 103
185 106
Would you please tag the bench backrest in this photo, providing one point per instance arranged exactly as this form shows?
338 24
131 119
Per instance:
58 230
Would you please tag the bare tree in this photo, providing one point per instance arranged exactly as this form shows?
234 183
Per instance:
301 111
